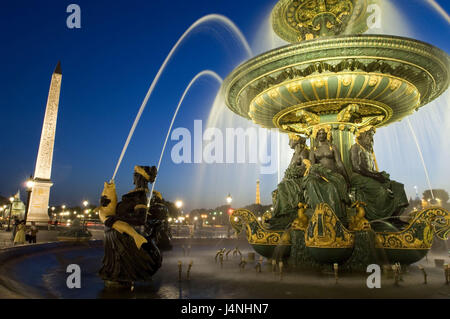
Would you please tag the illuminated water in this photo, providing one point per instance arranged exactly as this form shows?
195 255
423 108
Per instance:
206 19
210 73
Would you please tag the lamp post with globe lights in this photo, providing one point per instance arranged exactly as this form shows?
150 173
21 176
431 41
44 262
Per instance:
179 206
229 201
85 204
11 200
29 184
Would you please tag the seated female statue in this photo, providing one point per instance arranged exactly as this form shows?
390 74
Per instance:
326 179
289 191
382 196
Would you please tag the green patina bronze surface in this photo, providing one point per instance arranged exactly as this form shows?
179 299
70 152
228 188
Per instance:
336 87
388 77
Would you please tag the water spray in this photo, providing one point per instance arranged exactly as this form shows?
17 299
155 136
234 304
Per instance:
180 268
189 270
424 274
396 270
207 18
242 264
227 253
336 272
420 155
280 265
447 273
217 255
258 267
194 79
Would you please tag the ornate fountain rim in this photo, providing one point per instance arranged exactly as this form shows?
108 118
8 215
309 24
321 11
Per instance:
423 66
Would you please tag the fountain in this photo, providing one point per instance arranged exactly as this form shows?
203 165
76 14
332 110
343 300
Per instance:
335 86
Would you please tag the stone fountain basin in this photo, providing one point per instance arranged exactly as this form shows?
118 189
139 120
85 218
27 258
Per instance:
39 271
387 76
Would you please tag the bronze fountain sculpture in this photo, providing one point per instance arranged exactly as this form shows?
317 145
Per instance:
130 255
336 86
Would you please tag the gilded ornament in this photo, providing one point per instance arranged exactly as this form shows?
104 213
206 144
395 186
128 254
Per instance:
294 87
260 100
365 129
419 233
301 222
395 84
307 117
348 112
373 80
319 82
257 234
294 137
274 94
359 222
347 80
326 231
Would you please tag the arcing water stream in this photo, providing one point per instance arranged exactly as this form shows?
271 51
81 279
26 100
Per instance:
194 79
208 18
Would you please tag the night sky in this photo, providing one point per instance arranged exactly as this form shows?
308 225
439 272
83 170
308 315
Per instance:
107 68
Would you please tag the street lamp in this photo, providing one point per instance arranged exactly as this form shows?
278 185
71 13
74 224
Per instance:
85 203
178 204
11 199
229 199
30 185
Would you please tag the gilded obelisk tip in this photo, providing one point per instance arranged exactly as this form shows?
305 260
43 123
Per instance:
58 68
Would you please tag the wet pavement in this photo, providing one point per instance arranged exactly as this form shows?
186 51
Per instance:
43 275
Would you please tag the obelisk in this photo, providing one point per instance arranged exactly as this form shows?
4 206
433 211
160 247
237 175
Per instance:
40 194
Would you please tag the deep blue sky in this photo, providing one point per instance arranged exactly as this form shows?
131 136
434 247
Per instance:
108 66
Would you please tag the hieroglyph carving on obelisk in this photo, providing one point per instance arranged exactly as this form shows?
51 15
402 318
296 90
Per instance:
38 209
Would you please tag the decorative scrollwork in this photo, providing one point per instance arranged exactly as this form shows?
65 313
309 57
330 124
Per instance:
419 233
257 234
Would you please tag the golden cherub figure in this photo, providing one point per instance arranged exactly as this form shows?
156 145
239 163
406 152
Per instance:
301 222
359 221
